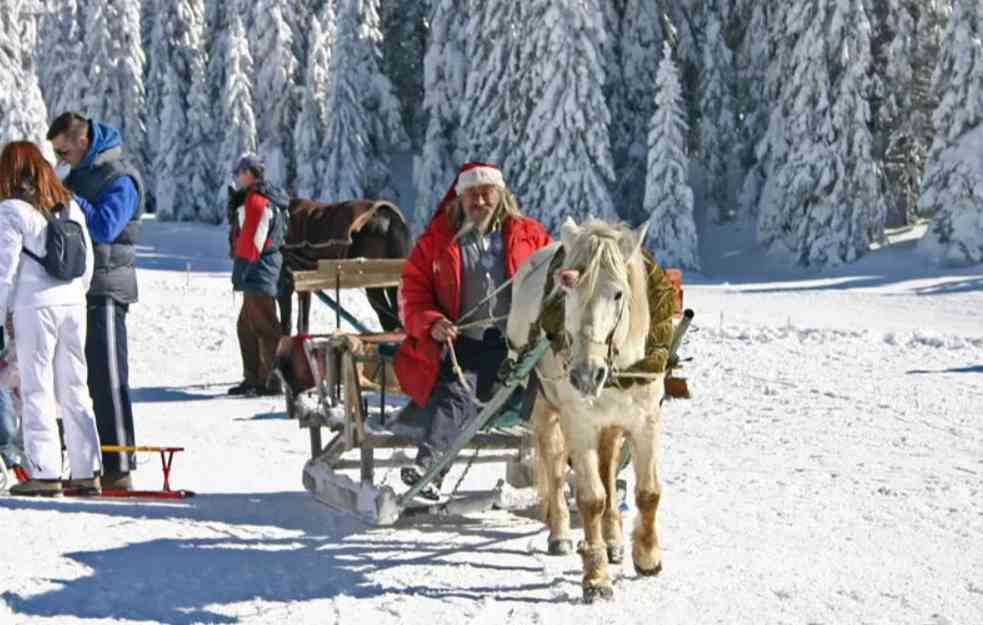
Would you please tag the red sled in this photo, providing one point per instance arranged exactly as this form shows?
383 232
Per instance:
166 459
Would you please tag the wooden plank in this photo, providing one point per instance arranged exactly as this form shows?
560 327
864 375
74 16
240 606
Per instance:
308 281
386 266
355 273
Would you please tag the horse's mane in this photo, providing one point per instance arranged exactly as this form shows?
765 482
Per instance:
598 249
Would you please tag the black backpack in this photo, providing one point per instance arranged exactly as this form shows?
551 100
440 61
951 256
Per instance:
64 243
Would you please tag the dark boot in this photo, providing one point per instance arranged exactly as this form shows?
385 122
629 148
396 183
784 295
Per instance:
273 387
85 486
116 480
37 488
413 474
243 388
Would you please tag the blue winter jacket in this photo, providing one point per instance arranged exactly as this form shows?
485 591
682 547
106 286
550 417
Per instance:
116 205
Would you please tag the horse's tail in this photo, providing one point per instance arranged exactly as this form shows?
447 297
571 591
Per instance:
388 226
388 220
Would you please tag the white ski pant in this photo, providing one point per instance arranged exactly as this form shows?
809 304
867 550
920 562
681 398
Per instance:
51 358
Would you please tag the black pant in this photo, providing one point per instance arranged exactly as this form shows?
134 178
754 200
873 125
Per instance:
109 386
450 405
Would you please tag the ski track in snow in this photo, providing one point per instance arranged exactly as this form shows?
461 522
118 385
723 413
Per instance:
829 469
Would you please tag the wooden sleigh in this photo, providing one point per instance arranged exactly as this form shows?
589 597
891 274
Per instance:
343 383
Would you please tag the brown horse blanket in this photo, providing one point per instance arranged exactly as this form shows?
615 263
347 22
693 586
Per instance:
318 230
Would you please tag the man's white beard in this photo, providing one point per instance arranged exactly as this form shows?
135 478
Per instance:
469 225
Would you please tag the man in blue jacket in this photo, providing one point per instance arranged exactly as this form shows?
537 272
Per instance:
111 194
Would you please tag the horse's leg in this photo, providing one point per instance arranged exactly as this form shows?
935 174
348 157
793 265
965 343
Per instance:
591 501
303 312
609 452
645 541
388 318
285 300
392 302
551 468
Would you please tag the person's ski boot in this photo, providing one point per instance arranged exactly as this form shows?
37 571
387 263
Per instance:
412 474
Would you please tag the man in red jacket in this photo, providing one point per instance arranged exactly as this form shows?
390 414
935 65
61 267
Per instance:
472 246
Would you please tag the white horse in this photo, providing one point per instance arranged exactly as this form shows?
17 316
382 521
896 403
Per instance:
586 407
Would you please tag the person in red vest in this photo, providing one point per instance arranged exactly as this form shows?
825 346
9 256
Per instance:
473 245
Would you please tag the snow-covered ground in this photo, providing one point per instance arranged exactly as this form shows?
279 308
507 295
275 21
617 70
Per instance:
828 470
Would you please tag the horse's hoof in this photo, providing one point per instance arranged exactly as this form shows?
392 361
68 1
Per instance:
559 547
592 593
649 572
616 554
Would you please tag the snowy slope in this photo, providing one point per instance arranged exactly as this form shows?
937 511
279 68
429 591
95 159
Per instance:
828 470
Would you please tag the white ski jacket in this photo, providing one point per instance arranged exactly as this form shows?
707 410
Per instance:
24 283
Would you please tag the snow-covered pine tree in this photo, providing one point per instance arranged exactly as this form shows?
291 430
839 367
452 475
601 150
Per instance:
907 36
171 186
640 38
614 13
668 197
823 203
237 124
182 25
445 70
158 57
23 115
685 32
718 111
276 95
216 30
363 122
60 71
130 61
490 90
566 147
406 29
307 135
760 62
200 134
115 92
930 29
298 15
952 190
102 93
857 197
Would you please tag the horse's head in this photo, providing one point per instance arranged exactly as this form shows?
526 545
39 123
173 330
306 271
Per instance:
596 279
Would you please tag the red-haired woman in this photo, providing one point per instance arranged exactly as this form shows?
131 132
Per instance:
49 323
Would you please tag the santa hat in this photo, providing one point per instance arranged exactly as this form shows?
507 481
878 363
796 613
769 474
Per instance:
471 175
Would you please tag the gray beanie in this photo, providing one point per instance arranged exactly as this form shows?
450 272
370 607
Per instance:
250 161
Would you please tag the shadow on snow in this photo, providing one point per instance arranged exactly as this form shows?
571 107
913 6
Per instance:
179 581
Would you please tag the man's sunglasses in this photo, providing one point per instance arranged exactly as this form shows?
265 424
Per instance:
61 153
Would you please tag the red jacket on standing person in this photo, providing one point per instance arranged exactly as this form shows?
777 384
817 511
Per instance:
430 288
